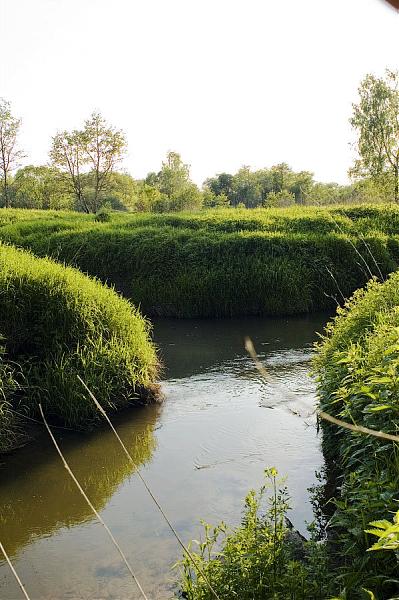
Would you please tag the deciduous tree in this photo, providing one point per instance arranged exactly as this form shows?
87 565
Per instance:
87 158
10 156
376 119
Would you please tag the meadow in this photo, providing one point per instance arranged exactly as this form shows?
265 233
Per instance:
220 262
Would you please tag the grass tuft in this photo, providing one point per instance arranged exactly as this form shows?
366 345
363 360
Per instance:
58 323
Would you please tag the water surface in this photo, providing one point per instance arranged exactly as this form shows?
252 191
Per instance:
221 424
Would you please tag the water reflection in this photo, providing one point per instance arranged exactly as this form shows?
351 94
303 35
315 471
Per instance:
220 426
37 496
194 346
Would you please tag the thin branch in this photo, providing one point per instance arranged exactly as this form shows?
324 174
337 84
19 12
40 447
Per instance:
249 347
21 585
358 428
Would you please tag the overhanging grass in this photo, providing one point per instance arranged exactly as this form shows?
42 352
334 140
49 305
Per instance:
358 368
221 262
58 323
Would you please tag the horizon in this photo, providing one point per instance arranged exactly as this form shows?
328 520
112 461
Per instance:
237 117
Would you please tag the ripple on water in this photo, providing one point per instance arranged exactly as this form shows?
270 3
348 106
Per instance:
220 426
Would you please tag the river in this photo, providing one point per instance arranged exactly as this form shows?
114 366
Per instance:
220 426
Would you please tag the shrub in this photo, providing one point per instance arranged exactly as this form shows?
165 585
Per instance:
102 216
58 323
258 560
358 367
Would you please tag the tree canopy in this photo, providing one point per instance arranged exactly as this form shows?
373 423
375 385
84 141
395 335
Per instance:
10 155
87 158
376 120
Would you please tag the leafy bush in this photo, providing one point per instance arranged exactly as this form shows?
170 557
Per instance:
259 560
358 368
57 324
102 216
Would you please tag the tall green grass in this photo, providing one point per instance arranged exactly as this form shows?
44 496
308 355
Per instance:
358 369
10 429
221 262
57 323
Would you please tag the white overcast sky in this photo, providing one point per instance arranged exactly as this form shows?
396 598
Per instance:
223 82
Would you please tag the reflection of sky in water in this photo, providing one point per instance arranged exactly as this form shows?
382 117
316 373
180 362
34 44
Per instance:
220 426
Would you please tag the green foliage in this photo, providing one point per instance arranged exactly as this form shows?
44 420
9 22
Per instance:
258 560
57 324
10 156
376 118
281 186
103 216
87 158
221 262
40 187
176 192
358 369
387 533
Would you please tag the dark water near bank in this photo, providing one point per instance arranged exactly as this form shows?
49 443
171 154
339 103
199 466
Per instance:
219 427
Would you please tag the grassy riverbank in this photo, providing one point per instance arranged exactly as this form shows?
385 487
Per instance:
358 363
355 555
221 262
56 324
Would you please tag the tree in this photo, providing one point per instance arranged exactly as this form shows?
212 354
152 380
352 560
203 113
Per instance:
246 189
40 187
174 175
67 155
212 200
9 154
104 148
175 189
122 193
88 159
221 184
376 118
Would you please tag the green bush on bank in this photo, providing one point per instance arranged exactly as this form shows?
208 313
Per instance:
261 559
56 324
358 369
221 262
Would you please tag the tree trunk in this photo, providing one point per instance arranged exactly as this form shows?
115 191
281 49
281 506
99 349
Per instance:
6 195
396 176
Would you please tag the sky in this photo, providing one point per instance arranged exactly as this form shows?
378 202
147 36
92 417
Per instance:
223 82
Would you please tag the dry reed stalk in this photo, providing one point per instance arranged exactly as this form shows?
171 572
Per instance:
21 585
250 348
81 490
358 428
130 459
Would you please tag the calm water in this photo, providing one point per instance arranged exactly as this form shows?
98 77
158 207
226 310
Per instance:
201 451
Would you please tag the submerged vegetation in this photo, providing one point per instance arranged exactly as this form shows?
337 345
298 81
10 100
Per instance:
221 262
56 324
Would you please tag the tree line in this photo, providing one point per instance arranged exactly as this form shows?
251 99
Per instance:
83 172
